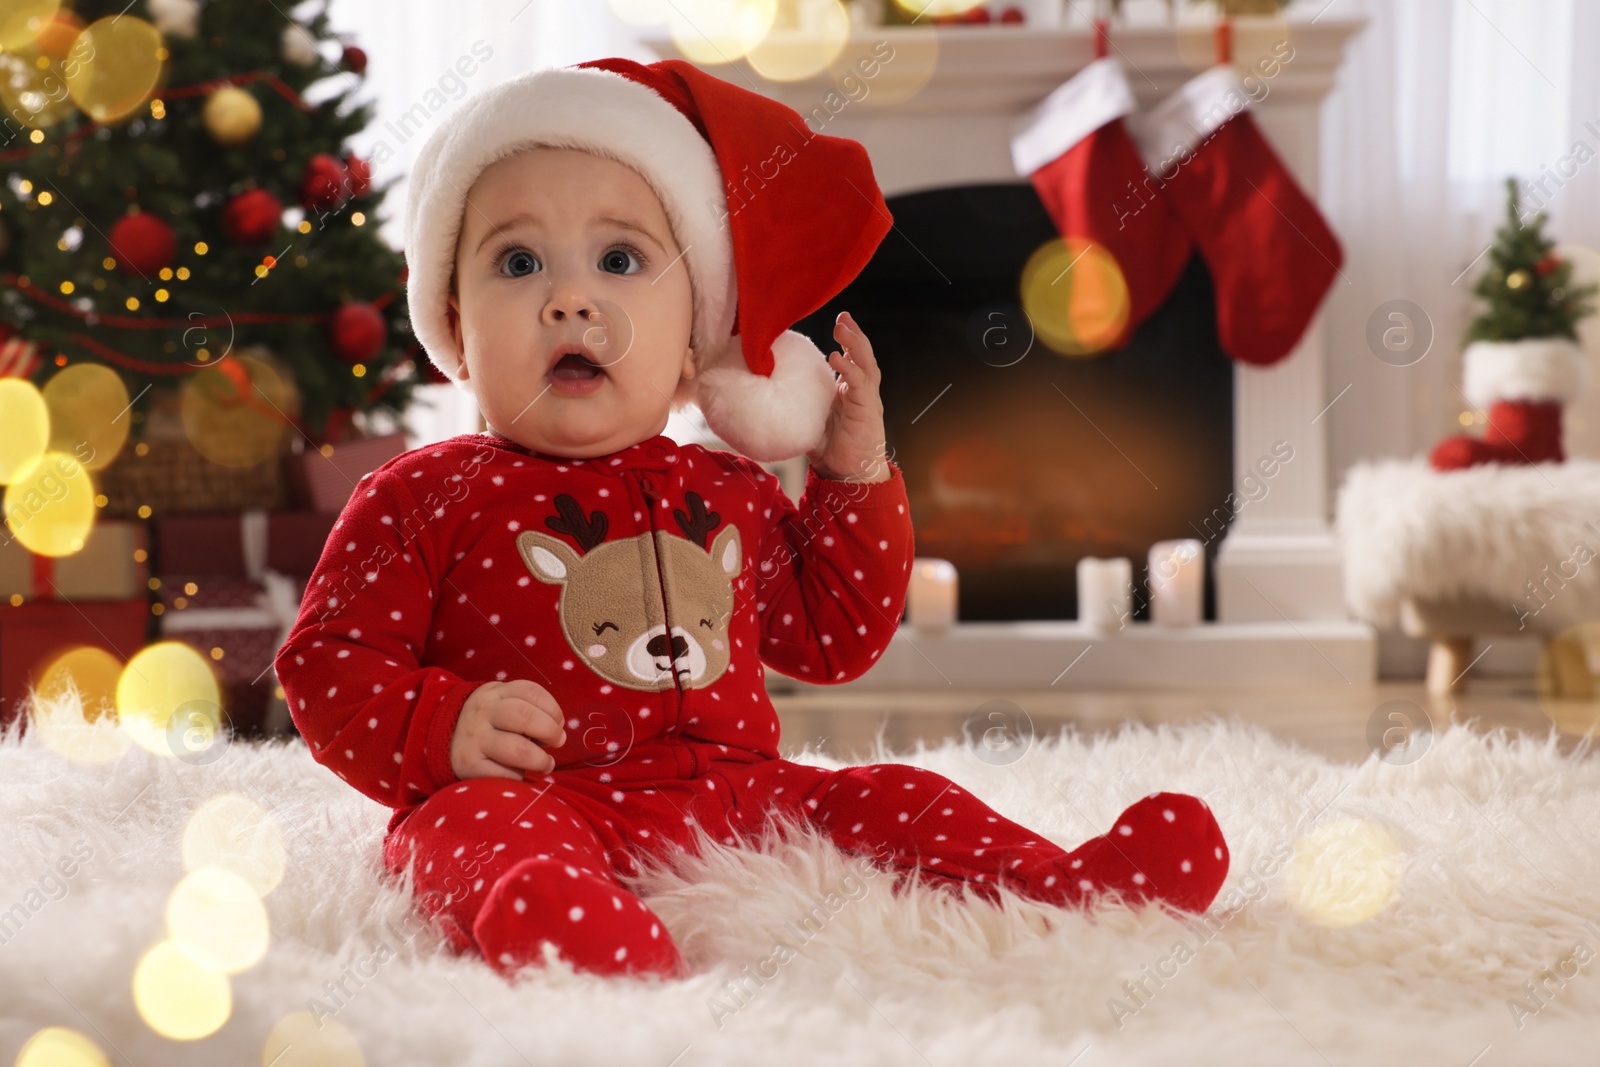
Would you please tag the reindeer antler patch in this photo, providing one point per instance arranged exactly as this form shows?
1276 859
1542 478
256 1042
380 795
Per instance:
588 532
698 523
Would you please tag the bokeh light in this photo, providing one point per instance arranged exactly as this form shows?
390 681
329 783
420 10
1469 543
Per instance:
177 997
235 833
871 72
1344 871
31 77
302 1040
931 8
23 20
89 417
61 1046
121 59
235 413
215 916
26 419
50 508
709 32
92 672
155 684
1075 295
806 36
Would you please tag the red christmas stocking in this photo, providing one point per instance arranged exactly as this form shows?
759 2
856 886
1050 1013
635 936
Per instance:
1524 385
1270 253
1088 172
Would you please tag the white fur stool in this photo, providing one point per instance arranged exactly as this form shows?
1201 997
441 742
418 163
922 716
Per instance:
1454 555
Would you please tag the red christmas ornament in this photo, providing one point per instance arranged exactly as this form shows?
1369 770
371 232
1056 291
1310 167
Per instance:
1547 264
977 14
354 59
357 332
360 172
326 183
142 243
1012 14
252 217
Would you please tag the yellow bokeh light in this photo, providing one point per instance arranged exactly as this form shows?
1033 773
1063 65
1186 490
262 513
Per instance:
215 917
931 8
89 415
708 32
237 416
91 672
26 419
1344 871
51 508
60 1046
23 20
235 833
157 689
70 688
301 1039
806 36
1075 296
177 997
120 66
870 72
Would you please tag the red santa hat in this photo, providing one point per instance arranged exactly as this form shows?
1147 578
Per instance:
774 221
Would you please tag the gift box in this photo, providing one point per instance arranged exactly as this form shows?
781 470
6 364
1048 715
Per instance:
240 544
34 634
323 479
237 623
112 565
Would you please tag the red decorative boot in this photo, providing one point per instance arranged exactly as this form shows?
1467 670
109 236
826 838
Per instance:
1523 385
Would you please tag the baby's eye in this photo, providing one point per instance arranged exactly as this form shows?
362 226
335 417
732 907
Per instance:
519 263
616 260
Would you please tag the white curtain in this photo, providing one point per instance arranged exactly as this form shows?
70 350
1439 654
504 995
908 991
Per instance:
1438 103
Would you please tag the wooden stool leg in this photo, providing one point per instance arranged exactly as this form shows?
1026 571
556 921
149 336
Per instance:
1569 669
1448 658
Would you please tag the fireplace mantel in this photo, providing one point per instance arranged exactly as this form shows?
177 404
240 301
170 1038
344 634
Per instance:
1279 562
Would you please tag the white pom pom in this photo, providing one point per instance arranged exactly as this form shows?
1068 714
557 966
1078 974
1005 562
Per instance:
774 418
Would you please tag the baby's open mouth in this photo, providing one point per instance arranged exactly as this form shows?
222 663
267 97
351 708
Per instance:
575 366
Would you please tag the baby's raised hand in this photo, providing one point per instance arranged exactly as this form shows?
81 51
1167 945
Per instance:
499 723
853 446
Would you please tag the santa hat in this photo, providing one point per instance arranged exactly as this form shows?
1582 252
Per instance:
774 221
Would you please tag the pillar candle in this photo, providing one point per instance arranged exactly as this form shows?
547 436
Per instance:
931 596
1177 582
1105 592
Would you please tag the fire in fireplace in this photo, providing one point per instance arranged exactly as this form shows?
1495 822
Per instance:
1019 460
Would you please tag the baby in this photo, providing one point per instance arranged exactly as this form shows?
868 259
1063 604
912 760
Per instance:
544 646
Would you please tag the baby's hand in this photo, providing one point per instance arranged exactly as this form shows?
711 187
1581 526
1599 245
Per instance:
853 446
495 735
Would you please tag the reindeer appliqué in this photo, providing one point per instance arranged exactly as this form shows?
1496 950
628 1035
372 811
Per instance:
612 594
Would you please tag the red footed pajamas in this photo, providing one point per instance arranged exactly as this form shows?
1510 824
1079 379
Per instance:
647 590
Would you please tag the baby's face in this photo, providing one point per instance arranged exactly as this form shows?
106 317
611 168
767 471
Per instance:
560 248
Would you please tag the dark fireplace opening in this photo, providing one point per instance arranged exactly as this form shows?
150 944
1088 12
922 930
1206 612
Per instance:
1016 468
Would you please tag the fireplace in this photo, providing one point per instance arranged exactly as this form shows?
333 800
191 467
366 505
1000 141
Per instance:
1019 461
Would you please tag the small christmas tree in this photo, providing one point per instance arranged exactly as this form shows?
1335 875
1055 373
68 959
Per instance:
159 226
1527 287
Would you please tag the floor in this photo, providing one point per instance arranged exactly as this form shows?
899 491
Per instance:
1345 724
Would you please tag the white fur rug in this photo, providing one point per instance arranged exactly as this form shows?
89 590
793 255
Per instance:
1496 877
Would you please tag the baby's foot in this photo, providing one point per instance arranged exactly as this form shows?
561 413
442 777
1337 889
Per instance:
595 925
1166 847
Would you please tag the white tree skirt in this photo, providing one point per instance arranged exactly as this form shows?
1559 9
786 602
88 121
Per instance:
1498 875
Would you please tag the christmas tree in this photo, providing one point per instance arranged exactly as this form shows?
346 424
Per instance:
172 198
1528 288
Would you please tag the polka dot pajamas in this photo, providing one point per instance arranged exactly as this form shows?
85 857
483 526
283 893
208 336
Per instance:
647 591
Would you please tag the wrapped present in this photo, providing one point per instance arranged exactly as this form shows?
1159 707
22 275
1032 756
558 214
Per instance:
241 544
238 623
323 479
112 565
32 635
